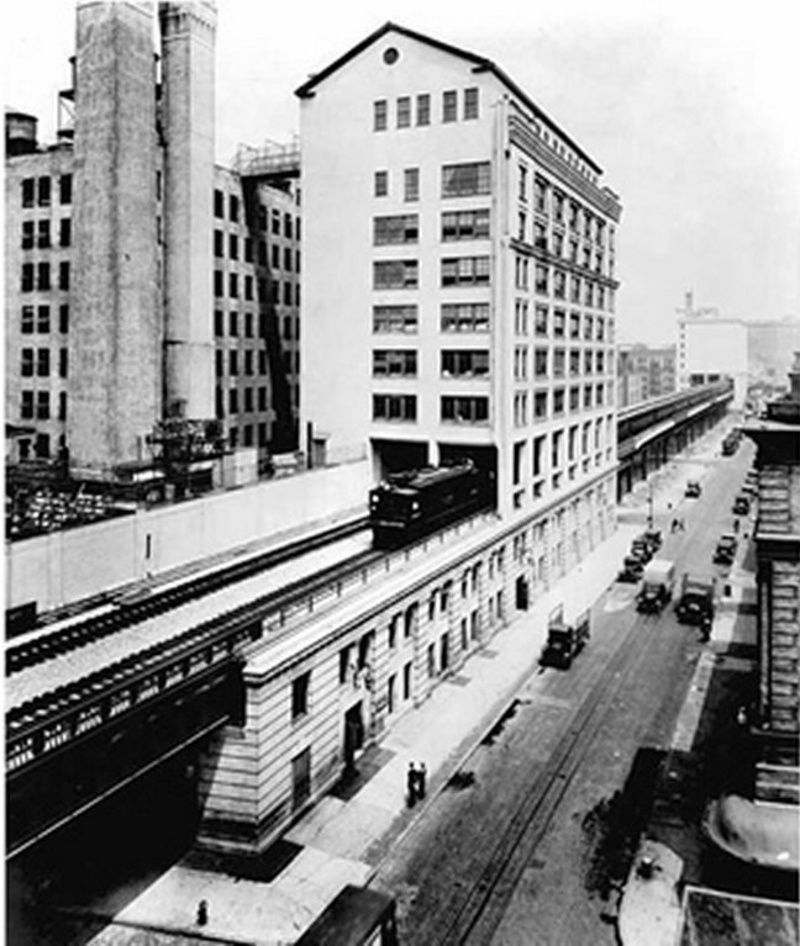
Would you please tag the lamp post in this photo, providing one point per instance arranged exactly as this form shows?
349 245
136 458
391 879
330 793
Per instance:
649 504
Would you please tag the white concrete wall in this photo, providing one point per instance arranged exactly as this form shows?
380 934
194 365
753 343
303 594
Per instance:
56 569
341 153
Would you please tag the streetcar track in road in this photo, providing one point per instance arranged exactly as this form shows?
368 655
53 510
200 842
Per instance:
473 919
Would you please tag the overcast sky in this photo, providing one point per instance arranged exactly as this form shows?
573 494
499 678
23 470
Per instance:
691 109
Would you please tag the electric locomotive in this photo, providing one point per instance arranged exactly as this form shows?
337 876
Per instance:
408 505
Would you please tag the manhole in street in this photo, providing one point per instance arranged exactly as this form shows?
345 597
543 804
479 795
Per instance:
461 780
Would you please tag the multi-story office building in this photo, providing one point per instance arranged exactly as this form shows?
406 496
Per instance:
644 373
769 349
711 347
143 281
459 257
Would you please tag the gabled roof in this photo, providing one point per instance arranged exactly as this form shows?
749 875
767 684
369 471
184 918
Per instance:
479 64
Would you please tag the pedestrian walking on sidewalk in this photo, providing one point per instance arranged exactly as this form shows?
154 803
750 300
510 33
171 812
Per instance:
411 784
421 779
202 913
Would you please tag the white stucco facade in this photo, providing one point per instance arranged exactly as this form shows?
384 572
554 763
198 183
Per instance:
497 245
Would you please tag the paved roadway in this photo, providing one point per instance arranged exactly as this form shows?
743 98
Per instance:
551 890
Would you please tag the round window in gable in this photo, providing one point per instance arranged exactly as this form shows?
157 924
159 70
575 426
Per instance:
390 56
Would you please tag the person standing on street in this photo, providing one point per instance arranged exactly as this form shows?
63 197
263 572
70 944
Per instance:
411 784
421 779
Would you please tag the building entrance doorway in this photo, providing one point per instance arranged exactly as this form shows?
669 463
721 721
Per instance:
353 734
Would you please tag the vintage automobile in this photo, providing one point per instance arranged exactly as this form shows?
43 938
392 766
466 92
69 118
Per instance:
632 569
693 490
741 505
725 551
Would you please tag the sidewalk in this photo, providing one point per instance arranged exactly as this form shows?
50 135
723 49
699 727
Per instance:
344 837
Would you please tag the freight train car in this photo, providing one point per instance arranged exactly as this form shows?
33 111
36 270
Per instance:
408 505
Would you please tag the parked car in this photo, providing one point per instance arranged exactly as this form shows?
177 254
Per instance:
641 549
741 505
725 551
632 569
653 539
693 489
696 602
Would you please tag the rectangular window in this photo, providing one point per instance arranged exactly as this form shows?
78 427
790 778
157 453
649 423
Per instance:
465 317
540 362
394 363
540 191
541 283
558 363
248 399
465 363
28 235
248 288
574 362
28 192
248 364
559 285
219 204
574 325
540 404
423 109
63 319
465 271
380 111
65 189
65 232
394 318
381 184
233 363
43 234
465 225
27 280
43 276
287 226
43 405
233 208
26 365
466 180
404 111
219 363
63 362
394 407
464 410
559 320
395 274
44 192
401 228
411 184
470 103
300 688
540 323
523 183
26 405
62 405
233 285
574 399
43 362
558 401
449 105
233 246
27 323
63 276
219 243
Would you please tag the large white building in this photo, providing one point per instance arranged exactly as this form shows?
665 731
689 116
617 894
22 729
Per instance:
711 347
459 274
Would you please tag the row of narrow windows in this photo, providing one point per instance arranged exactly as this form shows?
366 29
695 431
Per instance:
417 109
38 191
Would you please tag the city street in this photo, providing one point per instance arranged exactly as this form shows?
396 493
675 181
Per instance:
556 876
